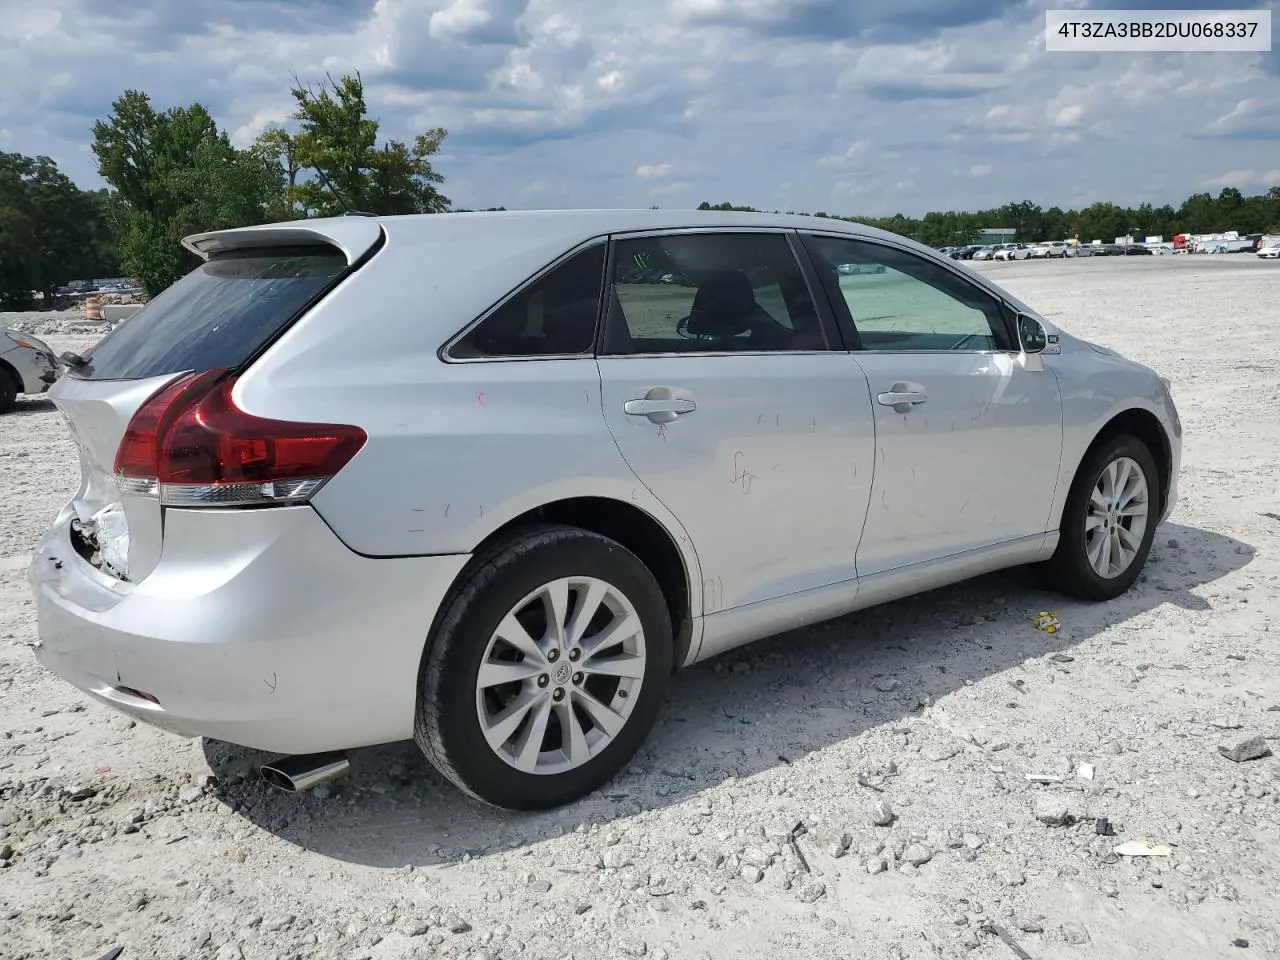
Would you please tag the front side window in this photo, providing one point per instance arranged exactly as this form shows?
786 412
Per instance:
554 316
900 301
713 292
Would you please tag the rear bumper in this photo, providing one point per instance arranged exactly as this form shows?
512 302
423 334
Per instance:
256 627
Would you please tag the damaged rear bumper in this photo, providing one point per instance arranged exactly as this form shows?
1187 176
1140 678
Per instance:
256 627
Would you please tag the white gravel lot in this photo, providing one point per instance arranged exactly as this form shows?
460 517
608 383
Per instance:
117 835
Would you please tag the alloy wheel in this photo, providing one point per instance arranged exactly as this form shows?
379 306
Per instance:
1116 519
561 675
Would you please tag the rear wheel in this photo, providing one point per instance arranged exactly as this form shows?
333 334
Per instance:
8 391
1109 521
547 669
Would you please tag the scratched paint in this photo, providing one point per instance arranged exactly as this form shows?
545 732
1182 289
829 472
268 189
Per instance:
742 477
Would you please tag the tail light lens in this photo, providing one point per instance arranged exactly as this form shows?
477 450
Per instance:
192 446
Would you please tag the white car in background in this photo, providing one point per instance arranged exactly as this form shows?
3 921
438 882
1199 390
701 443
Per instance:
27 366
314 516
1012 251
1270 252
1050 248
984 253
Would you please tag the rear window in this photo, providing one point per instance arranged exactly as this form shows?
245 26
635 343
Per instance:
216 316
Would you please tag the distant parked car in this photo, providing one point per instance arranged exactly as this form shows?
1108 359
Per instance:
318 518
27 365
851 269
983 253
1012 251
1082 250
1271 252
1137 250
966 252
1108 250
1050 248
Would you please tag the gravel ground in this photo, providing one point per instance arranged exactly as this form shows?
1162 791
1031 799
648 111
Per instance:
900 738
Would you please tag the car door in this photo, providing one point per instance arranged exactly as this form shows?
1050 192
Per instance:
968 428
729 398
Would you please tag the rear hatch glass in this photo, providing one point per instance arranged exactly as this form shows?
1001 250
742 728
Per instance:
219 315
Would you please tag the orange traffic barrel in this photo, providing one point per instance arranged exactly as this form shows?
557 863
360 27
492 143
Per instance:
93 307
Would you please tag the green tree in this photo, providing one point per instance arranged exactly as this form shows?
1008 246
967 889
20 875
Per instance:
1198 214
176 173
50 231
277 149
337 138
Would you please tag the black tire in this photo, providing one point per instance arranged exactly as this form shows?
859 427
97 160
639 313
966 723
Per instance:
1069 570
447 728
8 391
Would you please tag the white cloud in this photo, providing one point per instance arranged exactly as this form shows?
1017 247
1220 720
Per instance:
1245 178
860 107
1069 116
653 171
261 121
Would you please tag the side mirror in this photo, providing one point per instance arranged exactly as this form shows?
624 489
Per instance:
1031 335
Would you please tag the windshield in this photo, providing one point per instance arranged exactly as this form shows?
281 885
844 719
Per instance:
216 316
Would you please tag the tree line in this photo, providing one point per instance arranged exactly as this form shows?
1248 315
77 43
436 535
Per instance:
174 172
1199 213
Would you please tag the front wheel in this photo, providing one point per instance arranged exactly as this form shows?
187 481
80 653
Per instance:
1109 521
547 669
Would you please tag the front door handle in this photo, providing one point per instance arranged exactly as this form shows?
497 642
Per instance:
660 409
903 396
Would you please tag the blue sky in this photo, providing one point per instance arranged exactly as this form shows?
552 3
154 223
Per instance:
849 106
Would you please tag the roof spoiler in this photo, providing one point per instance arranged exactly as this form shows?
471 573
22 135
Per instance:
354 236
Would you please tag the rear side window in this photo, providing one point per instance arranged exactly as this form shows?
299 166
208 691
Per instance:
554 316
713 292
216 316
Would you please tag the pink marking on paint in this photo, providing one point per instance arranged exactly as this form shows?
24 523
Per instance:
480 398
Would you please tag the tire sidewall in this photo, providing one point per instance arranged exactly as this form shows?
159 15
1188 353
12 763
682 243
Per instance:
1073 518
8 392
460 737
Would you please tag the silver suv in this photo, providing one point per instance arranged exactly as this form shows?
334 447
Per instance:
488 480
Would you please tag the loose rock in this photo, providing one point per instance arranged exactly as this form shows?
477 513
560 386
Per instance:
1255 748
882 814
1075 933
1052 811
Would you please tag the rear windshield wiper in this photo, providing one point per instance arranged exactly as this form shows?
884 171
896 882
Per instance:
73 360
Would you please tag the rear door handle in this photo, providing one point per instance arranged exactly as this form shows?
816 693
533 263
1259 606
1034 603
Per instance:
903 396
660 409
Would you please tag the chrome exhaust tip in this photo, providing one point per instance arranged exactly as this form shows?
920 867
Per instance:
302 772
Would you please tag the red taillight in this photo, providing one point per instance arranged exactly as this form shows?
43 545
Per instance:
197 448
